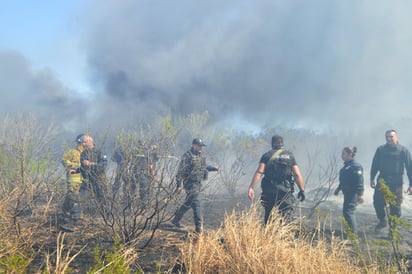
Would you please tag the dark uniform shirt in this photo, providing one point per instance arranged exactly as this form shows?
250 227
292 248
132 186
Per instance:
97 170
351 178
192 169
271 175
390 161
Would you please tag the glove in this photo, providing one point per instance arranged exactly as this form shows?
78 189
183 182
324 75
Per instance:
301 195
336 192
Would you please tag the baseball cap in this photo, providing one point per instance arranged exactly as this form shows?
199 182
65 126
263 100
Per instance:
199 142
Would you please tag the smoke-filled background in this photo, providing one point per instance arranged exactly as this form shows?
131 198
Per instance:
340 66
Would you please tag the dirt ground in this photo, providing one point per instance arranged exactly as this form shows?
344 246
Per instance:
162 255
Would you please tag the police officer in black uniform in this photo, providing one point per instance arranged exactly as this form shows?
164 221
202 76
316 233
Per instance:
390 160
191 172
280 171
351 184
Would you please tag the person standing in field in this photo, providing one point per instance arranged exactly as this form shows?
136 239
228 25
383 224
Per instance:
93 168
191 172
280 172
71 208
351 184
390 160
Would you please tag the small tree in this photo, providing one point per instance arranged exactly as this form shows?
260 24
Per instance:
328 175
28 177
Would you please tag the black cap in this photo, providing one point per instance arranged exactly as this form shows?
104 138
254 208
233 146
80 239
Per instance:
277 141
199 142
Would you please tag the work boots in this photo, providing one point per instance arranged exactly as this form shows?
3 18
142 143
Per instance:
176 223
382 224
199 229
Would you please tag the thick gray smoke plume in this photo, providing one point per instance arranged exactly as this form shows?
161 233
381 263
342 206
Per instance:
312 64
24 90
302 63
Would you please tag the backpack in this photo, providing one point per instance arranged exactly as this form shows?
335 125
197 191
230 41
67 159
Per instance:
278 168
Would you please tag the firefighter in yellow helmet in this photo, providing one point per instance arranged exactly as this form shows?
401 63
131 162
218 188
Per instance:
71 210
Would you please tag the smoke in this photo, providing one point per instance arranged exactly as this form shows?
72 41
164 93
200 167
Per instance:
304 64
307 64
334 66
38 92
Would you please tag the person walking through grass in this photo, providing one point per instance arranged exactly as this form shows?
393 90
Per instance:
390 160
280 172
351 184
191 172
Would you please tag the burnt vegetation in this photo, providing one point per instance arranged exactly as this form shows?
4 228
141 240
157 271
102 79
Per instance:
125 232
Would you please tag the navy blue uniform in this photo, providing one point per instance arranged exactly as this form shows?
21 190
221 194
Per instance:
277 183
352 185
390 161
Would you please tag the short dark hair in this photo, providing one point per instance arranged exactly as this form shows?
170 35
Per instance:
351 150
277 141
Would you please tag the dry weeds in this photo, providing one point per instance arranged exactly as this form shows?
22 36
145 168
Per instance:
243 245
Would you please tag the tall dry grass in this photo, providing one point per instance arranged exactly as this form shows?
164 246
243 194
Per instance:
244 245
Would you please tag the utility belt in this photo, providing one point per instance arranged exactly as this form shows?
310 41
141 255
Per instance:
284 185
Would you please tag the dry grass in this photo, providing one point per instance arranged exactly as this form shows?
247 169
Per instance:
243 245
63 257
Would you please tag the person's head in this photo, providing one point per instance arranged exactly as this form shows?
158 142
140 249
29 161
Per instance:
198 144
391 137
87 142
277 141
153 147
348 153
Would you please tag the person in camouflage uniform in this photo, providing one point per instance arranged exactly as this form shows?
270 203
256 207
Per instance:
191 172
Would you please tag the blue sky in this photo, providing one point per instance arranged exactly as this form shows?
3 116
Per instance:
46 32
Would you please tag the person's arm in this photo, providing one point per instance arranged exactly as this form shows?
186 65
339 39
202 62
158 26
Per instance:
152 172
68 160
337 190
360 189
299 182
255 180
70 163
374 169
212 168
183 170
408 167
298 178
